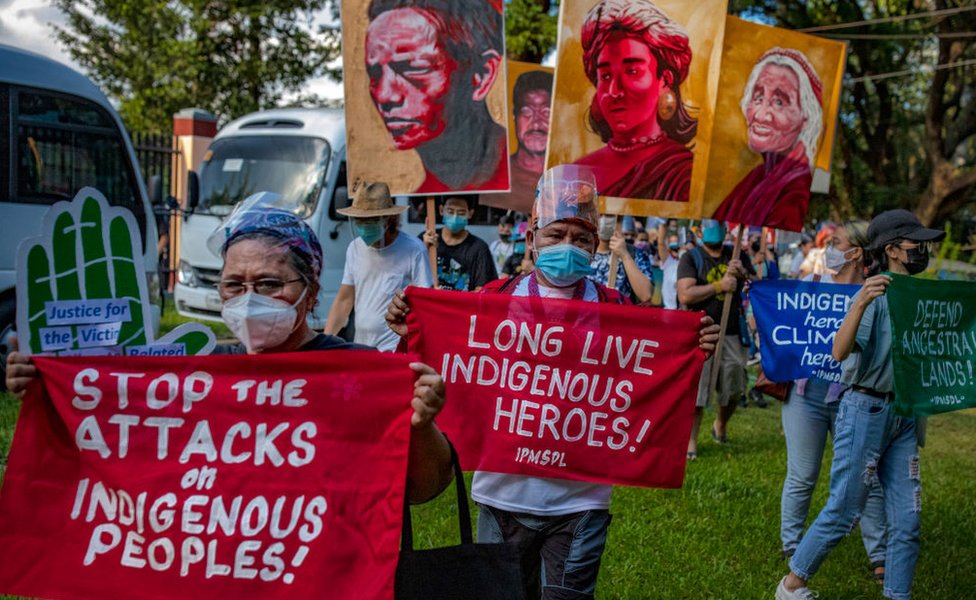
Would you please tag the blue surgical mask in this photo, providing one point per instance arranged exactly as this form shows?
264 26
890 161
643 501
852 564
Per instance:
563 264
713 235
456 223
370 232
673 246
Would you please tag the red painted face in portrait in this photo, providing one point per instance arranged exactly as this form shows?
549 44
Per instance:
409 76
628 88
532 121
774 116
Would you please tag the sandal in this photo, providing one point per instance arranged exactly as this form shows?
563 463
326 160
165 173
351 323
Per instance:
721 439
692 455
877 574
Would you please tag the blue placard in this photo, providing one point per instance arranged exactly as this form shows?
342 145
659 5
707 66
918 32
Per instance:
797 322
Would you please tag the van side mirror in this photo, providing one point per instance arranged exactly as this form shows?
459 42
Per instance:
155 189
340 199
192 190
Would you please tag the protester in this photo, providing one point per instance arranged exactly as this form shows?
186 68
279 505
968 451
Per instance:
813 262
464 261
561 525
806 245
668 249
810 412
633 267
705 276
871 443
379 261
503 247
269 284
519 262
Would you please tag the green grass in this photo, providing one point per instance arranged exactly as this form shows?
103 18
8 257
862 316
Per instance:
718 536
170 319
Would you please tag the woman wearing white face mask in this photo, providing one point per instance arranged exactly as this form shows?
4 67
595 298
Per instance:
810 412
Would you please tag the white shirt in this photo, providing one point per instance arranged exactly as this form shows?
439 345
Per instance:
539 495
669 285
500 251
377 274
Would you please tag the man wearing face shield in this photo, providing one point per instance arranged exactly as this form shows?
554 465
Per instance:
379 261
560 525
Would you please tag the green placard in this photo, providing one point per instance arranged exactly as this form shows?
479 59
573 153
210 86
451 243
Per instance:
933 350
81 287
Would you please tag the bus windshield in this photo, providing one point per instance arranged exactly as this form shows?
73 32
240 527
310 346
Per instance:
237 167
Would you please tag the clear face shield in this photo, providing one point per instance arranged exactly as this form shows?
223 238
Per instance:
566 192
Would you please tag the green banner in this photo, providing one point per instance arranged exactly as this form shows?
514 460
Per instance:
933 326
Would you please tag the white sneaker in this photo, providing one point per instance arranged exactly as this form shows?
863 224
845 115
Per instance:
799 594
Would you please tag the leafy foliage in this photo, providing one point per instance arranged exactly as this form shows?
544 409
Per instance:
530 29
156 57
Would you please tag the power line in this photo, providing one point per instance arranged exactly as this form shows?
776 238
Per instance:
900 36
962 63
944 12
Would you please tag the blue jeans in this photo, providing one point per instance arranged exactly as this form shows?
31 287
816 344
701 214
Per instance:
560 554
807 418
871 444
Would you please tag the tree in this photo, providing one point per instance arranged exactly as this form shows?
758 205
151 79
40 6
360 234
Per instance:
155 57
530 29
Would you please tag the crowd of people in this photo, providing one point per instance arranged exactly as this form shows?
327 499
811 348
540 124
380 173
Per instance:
564 249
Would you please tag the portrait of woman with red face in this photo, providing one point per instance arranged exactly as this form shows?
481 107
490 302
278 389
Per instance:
782 105
637 57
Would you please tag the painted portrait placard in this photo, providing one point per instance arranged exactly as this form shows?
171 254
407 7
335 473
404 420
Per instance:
425 94
634 100
777 104
530 102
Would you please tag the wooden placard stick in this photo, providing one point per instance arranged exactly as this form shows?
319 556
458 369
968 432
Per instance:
726 309
612 275
432 228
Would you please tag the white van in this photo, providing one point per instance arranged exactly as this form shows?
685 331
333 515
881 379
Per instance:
299 153
60 134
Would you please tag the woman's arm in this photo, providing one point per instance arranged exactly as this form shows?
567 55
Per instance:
847 334
639 282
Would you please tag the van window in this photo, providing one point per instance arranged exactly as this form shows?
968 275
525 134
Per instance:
65 143
236 167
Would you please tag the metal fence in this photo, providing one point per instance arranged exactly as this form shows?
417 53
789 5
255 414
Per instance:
158 155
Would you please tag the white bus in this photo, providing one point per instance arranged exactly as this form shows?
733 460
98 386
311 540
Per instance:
299 153
60 134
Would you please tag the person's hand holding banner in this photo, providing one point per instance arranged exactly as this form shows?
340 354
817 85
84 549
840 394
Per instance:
561 388
272 476
933 346
82 286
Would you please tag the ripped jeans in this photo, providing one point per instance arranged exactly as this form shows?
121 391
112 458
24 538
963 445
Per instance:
871 444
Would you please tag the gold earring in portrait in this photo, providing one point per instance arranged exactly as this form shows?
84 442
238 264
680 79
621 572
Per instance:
667 104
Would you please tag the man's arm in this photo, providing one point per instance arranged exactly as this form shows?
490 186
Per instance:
340 309
639 282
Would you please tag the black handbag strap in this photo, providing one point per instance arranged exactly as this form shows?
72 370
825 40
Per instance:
464 511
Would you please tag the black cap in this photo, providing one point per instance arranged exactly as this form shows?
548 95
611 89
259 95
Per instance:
899 224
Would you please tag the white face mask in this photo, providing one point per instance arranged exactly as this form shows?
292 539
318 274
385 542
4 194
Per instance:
835 259
261 322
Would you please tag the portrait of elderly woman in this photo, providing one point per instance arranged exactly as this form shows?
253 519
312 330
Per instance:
636 57
782 106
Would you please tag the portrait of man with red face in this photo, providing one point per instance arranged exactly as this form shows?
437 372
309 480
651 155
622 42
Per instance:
531 98
782 103
637 57
430 66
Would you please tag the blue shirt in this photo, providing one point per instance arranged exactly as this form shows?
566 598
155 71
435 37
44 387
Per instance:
601 271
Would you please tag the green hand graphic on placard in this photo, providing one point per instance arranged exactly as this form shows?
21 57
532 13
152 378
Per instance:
82 286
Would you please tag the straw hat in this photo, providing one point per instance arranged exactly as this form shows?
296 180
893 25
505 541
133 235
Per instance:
372 200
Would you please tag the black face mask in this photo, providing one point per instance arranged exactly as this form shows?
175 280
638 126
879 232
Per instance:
918 260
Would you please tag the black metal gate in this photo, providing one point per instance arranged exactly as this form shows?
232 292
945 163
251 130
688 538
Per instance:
158 155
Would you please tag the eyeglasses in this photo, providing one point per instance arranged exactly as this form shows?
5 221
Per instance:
229 288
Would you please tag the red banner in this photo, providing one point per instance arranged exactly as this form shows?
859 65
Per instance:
562 388
274 476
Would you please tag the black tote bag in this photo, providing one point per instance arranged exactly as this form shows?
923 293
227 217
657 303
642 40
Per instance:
469 571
